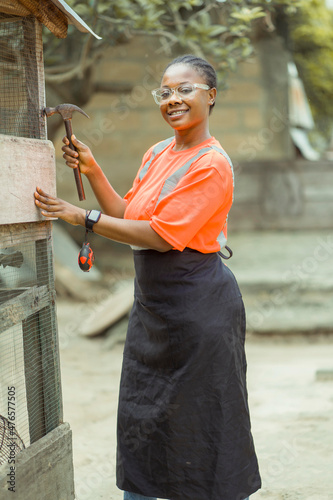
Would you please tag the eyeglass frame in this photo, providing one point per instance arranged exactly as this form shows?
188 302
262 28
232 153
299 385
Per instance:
202 86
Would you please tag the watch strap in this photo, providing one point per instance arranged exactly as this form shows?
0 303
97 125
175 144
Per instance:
90 223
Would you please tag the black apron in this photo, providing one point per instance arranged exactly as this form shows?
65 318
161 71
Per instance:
183 419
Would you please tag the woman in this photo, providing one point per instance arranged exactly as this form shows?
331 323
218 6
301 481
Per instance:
183 418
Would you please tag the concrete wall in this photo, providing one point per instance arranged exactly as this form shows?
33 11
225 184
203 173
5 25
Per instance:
124 125
290 195
250 119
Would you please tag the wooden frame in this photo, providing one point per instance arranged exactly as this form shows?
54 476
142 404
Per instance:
46 465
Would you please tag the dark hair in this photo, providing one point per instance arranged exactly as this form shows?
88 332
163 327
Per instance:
203 67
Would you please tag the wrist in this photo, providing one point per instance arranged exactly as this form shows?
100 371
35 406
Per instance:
81 217
94 169
92 217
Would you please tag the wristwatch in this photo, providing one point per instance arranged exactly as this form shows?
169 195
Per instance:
92 216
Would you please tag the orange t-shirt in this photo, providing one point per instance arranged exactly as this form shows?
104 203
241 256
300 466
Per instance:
194 213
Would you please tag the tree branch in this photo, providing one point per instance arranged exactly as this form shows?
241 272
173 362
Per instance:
113 87
76 71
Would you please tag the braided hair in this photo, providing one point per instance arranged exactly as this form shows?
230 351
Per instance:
203 67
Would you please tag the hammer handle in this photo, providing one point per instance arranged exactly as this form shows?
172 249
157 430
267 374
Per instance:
77 173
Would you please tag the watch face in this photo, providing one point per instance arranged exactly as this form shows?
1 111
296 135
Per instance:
94 215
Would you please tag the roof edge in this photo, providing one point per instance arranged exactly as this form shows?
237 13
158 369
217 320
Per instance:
73 18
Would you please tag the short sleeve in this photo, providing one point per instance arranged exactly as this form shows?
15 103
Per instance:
199 203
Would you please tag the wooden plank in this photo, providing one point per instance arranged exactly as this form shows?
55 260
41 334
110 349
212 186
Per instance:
53 407
44 470
28 302
14 234
49 340
12 375
25 164
41 79
34 377
109 311
30 66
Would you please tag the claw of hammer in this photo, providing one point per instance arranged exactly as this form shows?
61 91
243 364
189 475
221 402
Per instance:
66 111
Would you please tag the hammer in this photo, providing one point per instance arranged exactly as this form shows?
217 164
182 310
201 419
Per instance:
66 111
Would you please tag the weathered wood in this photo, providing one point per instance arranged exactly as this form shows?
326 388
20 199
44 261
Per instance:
107 313
34 376
30 301
25 164
44 470
30 67
49 340
41 80
53 408
14 8
16 234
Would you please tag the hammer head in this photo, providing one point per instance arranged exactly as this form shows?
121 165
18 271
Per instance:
65 110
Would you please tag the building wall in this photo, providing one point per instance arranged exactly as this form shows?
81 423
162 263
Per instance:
123 126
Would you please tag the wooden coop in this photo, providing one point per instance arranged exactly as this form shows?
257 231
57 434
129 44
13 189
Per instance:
35 445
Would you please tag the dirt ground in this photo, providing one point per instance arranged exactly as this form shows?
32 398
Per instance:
290 383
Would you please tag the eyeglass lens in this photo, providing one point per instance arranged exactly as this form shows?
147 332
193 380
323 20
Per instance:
181 91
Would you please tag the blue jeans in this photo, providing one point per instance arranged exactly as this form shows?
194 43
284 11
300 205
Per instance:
135 496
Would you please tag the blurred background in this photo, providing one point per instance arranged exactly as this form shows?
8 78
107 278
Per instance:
274 118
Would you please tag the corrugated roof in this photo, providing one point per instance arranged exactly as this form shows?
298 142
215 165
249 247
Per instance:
46 12
73 18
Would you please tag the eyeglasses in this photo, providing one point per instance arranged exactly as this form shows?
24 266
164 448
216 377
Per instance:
182 91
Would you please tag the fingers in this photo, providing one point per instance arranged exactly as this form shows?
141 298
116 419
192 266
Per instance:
40 194
45 202
53 208
71 158
78 144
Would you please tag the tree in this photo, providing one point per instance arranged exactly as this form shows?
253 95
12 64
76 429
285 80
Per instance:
311 42
219 30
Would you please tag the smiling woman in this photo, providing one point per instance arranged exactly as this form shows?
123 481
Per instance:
184 429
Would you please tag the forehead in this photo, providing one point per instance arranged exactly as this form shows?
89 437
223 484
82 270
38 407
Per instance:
179 73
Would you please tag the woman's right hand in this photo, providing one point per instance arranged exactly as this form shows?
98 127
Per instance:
83 157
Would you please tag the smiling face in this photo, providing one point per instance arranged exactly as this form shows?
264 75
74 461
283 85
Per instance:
190 112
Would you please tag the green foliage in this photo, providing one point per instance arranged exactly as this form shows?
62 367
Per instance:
219 30
312 45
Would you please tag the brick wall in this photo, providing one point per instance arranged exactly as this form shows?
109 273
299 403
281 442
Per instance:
123 126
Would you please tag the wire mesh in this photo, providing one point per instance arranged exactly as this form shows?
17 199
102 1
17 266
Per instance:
30 391
20 90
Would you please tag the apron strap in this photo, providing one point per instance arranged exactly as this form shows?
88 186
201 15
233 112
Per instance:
224 256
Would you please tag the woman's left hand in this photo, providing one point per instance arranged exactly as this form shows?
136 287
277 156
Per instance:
52 207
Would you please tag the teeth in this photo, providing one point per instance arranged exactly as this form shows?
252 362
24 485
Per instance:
177 112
